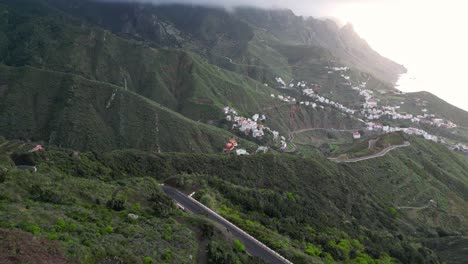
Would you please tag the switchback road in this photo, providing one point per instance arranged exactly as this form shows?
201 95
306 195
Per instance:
377 155
253 246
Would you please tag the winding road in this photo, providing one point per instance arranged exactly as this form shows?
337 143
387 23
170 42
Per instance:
377 155
292 133
252 245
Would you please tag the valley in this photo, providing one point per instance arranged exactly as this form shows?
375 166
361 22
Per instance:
136 133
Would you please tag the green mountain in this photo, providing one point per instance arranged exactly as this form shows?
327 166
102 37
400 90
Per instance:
239 35
72 111
128 96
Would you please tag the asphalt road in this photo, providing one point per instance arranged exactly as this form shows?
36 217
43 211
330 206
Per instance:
377 155
253 246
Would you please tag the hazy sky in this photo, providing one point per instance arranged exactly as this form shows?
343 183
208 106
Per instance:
427 36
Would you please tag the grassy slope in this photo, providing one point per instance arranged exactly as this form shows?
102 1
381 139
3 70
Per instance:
314 201
414 175
439 106
414 103
71 111
176 79
68 202
294 205
308 117
360 148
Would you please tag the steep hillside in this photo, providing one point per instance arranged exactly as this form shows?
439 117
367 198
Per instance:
68 110
288 118
66 213
415 103
439 106
411 183
343 43
127 96
179 80
216 33
310 209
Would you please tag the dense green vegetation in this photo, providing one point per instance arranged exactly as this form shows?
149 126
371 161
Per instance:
305 208
134 88
176 79
71 200
68 110
370 146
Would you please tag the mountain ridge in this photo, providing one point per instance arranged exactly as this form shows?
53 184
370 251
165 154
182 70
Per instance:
284 24
101 104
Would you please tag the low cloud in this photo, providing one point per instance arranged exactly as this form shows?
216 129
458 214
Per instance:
301 7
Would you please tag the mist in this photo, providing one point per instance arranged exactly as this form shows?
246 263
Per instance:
316 8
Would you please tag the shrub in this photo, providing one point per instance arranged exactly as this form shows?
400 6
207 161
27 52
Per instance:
29 159
33 229
167 255
312 250
161 204
393 211
116 204
167 233
106 230
148 260
239 246
44 194
53 237
3 173
63 226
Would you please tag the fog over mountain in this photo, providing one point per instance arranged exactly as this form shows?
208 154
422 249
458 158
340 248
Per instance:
308 8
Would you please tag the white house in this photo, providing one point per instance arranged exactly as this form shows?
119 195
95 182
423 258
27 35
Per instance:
255 117
257 133
262 149
241 152
356 135
372 102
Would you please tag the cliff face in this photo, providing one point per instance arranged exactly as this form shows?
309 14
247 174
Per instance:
344 43
215 32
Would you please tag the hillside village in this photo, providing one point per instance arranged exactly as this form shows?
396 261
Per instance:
371 112
253 127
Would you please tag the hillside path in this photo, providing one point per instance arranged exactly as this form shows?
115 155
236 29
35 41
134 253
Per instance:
263 67
429 204
377 155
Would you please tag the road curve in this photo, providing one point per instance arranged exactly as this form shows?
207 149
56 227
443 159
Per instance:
293 133
377 155
252 245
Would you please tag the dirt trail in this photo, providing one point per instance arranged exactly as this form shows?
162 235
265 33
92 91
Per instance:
429 204
262 67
